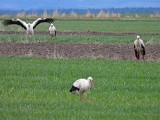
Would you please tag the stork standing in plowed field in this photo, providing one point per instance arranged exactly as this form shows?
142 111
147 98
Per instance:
139 48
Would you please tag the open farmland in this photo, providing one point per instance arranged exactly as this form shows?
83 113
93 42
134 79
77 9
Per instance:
39 89
84 38
36 74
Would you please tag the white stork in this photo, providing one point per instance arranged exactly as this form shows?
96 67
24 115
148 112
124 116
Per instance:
82 85
139 48
52 30
30 26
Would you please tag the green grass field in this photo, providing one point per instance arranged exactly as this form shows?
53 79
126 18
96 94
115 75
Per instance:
80 39
32 88
38 89
116 26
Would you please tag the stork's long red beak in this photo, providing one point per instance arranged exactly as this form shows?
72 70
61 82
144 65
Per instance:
92 84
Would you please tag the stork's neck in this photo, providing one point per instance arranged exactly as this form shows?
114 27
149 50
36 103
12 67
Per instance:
89 81
29 25
138 40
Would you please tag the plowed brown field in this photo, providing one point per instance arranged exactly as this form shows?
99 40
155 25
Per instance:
67 51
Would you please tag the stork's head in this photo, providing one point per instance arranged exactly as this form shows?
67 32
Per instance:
51 24
90 78
91 81
138 37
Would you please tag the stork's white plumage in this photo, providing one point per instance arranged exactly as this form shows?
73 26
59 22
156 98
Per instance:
139 48
30 26
82 85
52 30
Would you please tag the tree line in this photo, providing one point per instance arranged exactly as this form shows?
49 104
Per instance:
84 11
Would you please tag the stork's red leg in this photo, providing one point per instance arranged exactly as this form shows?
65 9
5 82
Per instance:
138 56
81 97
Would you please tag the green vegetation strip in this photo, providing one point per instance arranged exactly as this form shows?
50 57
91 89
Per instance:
115 26
36 89
79 39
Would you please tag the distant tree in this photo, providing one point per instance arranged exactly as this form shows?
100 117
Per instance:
45 15
89 15
56 14
102 14
73 15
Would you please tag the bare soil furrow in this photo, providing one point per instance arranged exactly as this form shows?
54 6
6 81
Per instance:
76 51
87 33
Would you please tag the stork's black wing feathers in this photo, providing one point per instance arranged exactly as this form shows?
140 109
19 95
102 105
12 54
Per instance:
55 33
48 20
12 22
143 50
73 88
136 53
